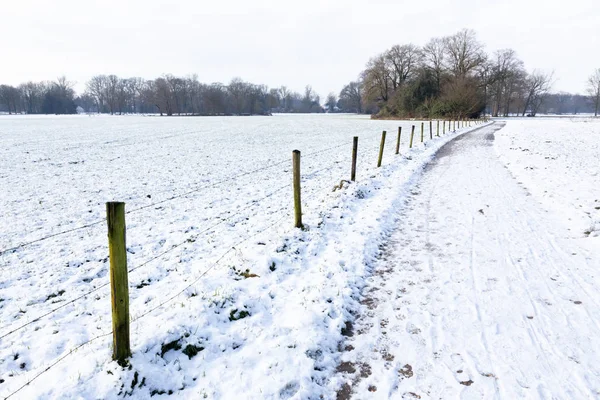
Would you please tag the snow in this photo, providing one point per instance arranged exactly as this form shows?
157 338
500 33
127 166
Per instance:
482 292
175 176
556 159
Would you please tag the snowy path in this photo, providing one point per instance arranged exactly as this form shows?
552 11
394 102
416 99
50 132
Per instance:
480 293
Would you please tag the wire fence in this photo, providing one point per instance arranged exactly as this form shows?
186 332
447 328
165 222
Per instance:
281 213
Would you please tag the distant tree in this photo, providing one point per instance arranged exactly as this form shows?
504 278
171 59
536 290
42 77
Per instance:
464 53
351 98
60 98
10 98
237 90
506 68
401 63
96 87
433 59
376 80
32 94
331 102
537 86
593 88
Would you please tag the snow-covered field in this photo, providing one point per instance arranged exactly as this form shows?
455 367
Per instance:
556 159
226 297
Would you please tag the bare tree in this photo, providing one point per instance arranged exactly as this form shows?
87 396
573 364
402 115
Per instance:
464 53
401 61
538 84
32 94
97 87
594 90
376 80
351 97
10 97
433 58
331 102
506 67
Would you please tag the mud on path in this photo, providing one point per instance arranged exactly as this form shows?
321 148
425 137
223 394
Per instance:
478 294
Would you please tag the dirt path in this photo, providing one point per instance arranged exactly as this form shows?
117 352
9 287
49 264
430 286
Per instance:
479 294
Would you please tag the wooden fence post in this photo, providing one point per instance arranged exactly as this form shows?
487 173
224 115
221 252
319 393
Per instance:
444 126
398 141
296 181
422 131
354 155
453 125
412 135
381 149
119 283
437 129
430 130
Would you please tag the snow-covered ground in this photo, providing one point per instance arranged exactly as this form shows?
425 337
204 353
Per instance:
556 159
226 297
481 291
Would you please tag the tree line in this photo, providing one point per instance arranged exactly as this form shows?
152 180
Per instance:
167 95
453 76
450 76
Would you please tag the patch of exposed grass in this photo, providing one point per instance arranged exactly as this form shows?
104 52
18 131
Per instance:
192 350
173 345
240 315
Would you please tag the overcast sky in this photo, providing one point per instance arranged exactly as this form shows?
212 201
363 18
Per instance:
321 43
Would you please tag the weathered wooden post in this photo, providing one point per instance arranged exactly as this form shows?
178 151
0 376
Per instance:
296 184
119 283
430 130
398 140
354 155
381 149
422 131
437 129
412 135
444 126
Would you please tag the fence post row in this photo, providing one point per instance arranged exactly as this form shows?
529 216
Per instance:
119 282
381 149
354 155
296 184
398 141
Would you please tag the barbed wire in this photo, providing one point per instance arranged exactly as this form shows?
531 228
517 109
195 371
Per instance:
214 264
54 310
56 362
187 240
25 244
229 179
193 237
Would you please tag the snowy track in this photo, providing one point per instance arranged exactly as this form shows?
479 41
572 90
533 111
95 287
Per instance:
480 293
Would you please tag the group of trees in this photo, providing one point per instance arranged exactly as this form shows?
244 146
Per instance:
454 76
449 76
167 95
173 95
39 98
